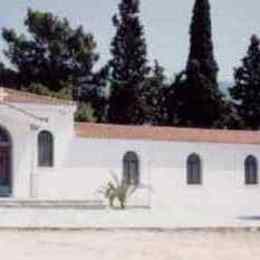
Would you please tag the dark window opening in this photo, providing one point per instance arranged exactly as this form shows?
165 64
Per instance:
131 169
45 149
251 170
194 170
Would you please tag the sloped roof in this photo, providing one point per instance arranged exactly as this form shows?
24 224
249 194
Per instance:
108 131
17 96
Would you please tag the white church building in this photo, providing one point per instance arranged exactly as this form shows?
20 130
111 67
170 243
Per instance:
192 174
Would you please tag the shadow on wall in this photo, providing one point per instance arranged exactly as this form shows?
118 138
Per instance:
252 218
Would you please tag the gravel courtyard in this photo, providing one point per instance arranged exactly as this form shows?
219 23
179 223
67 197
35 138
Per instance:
120 244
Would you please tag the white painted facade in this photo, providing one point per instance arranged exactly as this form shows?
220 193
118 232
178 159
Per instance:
83 165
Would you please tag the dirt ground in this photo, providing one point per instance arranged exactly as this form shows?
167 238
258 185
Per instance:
129 245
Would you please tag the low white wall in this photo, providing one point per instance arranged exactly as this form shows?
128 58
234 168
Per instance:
163 168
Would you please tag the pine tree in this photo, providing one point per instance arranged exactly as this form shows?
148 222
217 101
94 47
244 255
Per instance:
197 97
55 56
52 53
128 66
246 91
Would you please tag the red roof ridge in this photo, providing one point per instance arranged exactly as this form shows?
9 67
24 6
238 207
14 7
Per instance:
166 133
21 96
164 127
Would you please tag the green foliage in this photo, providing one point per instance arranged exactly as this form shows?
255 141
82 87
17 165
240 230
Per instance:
54 59
172 103
117 190
196 100
229 118
57 56
128 66
201 44
246 91
8 77
40 89
85 113
155 91
53 53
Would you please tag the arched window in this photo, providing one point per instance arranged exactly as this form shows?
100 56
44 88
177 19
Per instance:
194 170
131 168
251 171
45 149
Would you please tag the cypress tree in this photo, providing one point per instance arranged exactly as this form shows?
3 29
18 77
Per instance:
128 66
199 101
201 44
246 90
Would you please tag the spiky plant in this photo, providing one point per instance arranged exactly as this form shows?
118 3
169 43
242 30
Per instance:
117 190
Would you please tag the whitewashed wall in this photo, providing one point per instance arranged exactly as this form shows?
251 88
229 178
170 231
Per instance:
19 120
163 168
83 165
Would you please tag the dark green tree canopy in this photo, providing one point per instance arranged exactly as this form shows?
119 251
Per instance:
201 45
128 63
155 91
51 53
197 100
8 77
52 58
246 90
128 66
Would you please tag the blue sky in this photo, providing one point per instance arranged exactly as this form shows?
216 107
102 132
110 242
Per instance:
166 26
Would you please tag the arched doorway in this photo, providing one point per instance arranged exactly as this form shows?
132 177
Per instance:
5 163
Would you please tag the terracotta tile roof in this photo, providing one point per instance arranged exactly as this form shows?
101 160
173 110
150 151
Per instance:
106 131
17 96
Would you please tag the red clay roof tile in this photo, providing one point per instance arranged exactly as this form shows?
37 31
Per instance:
107 131
17 96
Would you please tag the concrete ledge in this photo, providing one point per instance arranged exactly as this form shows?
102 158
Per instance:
52 204
135 229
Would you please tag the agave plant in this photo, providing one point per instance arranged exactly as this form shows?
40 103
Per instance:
117 190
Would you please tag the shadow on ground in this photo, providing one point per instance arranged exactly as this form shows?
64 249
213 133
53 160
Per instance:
253 218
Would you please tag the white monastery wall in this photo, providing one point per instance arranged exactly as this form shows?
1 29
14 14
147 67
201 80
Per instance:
82 166
162 168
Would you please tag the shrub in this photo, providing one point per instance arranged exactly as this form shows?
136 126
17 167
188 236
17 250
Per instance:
117 190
